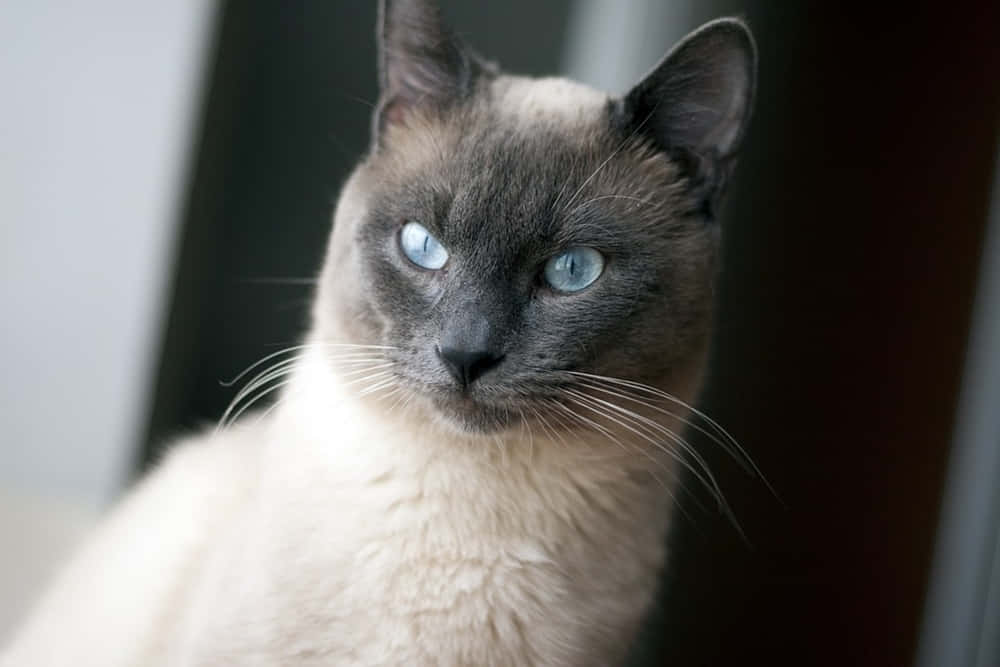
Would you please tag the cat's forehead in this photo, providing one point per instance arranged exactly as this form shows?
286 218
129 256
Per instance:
528 150
515 117
525 148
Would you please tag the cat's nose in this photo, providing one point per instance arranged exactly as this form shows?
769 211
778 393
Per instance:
467 365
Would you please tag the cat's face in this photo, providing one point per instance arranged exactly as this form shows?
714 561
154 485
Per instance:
507 233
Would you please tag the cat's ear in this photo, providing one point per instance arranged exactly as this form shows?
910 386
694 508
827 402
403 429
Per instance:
421 62
696 102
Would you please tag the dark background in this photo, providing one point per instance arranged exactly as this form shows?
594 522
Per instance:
853 236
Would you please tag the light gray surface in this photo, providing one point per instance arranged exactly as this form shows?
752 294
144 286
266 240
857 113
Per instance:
46 532
612 44
99 102
963 603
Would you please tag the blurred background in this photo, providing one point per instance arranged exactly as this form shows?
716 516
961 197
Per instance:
167 174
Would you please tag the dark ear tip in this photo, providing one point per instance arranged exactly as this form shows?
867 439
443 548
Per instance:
729 31
727 36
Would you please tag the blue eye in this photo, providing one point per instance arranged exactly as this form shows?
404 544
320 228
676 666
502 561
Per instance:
574 269
421 248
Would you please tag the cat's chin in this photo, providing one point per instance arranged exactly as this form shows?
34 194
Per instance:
468 416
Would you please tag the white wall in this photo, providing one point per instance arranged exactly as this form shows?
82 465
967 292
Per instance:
612 44
98 100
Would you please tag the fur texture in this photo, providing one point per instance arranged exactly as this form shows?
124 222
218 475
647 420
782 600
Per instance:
384 514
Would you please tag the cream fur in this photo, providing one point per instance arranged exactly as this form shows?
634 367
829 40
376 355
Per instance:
333 534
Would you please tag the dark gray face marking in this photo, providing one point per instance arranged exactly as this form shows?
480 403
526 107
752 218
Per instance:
505 182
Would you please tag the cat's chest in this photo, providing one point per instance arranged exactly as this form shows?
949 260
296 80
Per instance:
433 542
400 566
372 592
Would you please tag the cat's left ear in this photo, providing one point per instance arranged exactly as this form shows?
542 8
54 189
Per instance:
696 103
421 62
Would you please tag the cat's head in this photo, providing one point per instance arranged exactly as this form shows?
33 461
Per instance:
506 234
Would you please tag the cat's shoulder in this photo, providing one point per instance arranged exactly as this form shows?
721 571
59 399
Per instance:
191 454
213 462
152 542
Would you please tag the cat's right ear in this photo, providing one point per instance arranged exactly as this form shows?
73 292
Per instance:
421 63
696 103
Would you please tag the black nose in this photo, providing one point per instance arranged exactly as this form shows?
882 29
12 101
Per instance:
466 366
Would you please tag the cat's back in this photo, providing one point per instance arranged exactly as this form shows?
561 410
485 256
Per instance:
154 542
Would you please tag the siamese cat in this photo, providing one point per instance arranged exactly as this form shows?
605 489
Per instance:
474 452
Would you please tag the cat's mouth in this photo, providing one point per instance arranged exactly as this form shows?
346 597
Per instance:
482 409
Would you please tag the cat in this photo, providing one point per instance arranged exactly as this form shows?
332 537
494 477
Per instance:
473 457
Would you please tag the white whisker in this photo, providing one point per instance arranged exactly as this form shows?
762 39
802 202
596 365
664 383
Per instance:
653 425
707 479
254 400
531 437
599 198
382 384
303 346
594 425
284 368
735 449
595 386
